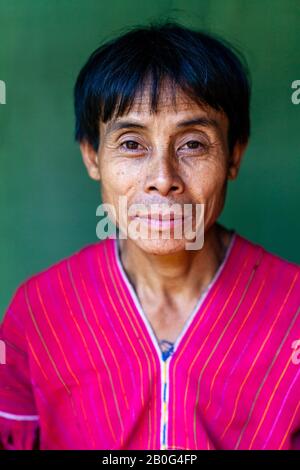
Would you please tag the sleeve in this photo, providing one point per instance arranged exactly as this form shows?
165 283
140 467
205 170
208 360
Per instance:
19 421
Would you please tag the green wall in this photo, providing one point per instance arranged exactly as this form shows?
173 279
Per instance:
48 202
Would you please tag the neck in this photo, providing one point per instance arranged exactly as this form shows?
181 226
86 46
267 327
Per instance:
186 273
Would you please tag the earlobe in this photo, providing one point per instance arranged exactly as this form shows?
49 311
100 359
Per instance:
236 159
232 172
90 160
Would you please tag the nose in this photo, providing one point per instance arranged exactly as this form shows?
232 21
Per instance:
163 176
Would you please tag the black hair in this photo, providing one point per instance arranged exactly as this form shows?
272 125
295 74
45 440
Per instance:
208 69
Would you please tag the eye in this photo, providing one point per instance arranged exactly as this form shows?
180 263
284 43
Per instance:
130 145
193 144
193 147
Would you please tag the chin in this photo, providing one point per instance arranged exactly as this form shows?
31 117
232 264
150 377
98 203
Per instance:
161 246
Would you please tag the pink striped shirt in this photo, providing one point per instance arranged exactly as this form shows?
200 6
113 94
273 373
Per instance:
84 367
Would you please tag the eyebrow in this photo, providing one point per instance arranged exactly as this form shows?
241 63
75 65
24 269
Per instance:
199 121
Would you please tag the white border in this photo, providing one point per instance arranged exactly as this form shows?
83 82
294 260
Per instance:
3 414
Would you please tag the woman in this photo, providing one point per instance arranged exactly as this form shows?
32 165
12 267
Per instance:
142 342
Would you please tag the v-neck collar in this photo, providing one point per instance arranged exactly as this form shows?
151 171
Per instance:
195 312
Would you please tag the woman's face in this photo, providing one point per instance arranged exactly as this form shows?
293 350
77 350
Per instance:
175 156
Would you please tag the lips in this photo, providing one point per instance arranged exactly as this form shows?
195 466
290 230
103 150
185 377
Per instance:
159 217
161 222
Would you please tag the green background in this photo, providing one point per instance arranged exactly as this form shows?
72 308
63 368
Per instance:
48 203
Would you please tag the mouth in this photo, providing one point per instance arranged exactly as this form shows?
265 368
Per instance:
160 221
160 216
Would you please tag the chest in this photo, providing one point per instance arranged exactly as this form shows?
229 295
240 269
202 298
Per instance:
167 321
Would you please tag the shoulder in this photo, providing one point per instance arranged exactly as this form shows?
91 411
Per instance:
44 287
269 256
77 260
272 267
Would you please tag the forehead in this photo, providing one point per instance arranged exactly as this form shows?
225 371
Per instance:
172 105
169 100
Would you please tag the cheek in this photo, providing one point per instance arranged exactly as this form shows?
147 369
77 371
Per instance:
114 179
208 186
208 181
118 179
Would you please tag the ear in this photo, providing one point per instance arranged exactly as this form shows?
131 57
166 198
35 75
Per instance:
236 159
90 159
